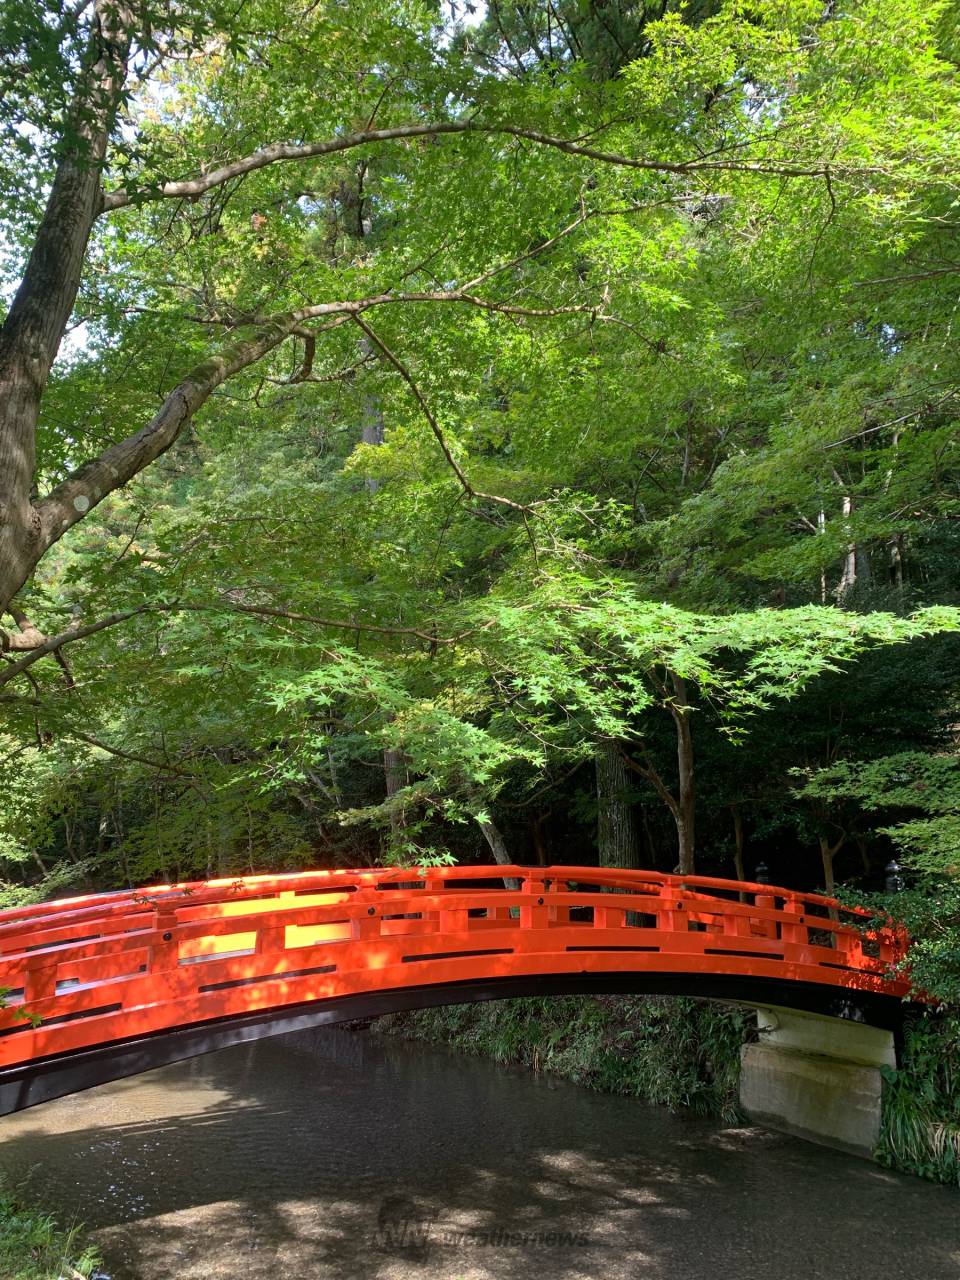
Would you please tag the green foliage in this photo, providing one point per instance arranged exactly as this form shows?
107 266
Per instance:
679 1053
34 1247
712 409
684 455
897 785
920 1126
905 781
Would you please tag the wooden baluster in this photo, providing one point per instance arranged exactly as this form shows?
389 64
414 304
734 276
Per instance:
607 918
792 932
671 917
765 928
534 914
736 925
433 886
849 945
165 952
366 926
500 914
557 915
271 937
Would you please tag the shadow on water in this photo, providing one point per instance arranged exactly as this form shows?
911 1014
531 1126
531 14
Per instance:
333 1153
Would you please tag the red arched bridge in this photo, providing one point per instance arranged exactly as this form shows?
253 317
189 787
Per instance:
107 985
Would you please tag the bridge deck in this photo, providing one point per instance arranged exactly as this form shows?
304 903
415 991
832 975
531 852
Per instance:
89 973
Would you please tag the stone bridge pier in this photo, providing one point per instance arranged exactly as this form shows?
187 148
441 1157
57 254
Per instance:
816 1077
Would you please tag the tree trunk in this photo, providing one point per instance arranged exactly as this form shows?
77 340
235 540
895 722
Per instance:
651 847
536 833
896 561
33 329
827 854
495 840
863 848
826 860
680 710
617 843
848 578
822 528
739 870
395 778
371 430
498 847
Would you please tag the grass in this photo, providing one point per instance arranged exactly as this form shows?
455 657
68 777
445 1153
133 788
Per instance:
679 1053
34 1247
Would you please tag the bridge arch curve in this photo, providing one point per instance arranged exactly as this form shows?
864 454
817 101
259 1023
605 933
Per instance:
109 985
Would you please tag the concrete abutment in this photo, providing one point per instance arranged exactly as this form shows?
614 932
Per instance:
816 1077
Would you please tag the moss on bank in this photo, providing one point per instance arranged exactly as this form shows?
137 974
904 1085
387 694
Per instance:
920 1126
34 1247
679 1053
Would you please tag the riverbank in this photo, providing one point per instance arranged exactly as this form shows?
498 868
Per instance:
685 1055
678 1053
33 1246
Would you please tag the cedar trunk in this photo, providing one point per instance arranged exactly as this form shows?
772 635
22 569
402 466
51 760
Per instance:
617 842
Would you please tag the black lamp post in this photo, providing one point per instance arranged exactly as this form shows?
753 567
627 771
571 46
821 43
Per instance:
895 882
762 874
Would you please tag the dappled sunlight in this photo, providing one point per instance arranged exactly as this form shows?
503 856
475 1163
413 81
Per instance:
341 1153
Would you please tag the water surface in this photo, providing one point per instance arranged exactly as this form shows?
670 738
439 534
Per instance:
344 1154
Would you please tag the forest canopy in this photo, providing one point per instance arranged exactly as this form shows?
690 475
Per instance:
443 431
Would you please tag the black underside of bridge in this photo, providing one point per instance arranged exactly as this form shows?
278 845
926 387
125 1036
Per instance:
44 1079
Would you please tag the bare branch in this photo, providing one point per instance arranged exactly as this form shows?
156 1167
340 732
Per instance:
652 775
337 624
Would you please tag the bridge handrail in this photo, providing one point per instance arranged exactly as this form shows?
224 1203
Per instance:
99 968
243 887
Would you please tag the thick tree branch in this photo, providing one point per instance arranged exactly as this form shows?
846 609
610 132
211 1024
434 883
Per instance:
463 295
279 152
85 488
27 636
52 643
81 491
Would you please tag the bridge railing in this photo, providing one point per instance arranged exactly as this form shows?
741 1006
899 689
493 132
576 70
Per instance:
89 970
